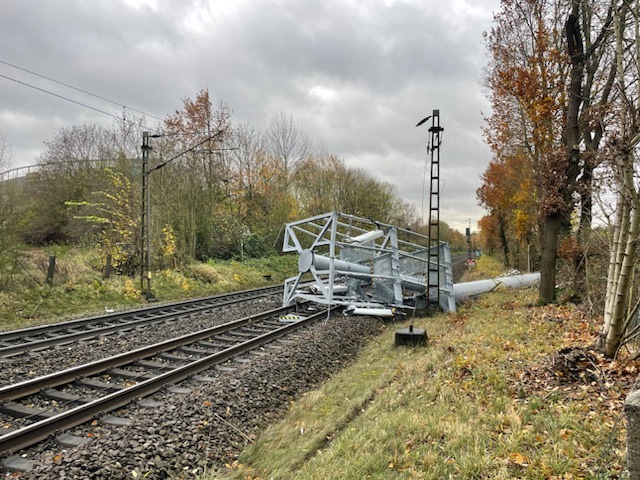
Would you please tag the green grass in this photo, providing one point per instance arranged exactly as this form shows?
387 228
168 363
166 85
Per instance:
464 407
79 288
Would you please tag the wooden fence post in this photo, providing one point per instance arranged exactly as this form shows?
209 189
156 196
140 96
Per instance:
51 270
107 267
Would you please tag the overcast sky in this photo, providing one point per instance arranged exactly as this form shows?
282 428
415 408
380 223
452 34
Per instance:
356 76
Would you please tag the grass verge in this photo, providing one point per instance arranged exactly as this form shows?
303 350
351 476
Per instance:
79 288
505 389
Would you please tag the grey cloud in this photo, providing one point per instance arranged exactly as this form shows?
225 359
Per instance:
387 63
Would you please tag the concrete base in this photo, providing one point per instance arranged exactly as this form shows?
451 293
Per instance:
632 414
205 379
149 404
412 337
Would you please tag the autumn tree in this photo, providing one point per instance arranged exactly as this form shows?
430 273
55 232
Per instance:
621 305
323 182
506 189
71 168
113 214
190 193
489 235
199 123
537 81
287 144
317 184
258 193
525 78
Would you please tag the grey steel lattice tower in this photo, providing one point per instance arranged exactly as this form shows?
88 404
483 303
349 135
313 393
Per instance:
433 283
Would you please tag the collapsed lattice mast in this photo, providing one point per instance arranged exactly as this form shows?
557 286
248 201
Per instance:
371 267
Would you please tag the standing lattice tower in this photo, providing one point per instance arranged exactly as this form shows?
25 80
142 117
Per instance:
433 277
434 211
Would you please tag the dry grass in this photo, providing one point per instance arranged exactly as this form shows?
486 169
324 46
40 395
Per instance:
491 397
485 267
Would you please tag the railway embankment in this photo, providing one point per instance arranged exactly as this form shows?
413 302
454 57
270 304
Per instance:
504 389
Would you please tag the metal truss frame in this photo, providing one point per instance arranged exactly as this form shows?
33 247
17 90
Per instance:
345 260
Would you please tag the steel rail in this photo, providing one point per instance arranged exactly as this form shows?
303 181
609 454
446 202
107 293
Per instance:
190 306
29 387
36 432
39 329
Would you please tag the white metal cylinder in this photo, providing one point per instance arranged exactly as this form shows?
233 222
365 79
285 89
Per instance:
372 312
367 237
462 291
308 258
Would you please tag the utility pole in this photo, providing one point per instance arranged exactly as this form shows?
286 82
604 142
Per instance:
145 216
468 234
145 222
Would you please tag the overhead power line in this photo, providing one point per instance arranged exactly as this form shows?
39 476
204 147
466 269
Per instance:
71 100
190 149
78 89
62 97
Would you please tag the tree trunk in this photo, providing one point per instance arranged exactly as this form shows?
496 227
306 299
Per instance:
583 233
620 296
619 240
549 233
627 226
504 241
572 134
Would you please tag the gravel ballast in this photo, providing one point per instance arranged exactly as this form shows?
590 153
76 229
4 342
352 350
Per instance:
212 422
35 364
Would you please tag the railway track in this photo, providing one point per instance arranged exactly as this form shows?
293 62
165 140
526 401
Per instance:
459 266
45 406
17 342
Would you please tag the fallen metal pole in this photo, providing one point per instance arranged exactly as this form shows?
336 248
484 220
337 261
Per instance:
464 291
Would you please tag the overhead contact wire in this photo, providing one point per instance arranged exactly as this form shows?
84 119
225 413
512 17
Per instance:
78 89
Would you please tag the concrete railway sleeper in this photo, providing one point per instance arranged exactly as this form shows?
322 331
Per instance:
82 393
